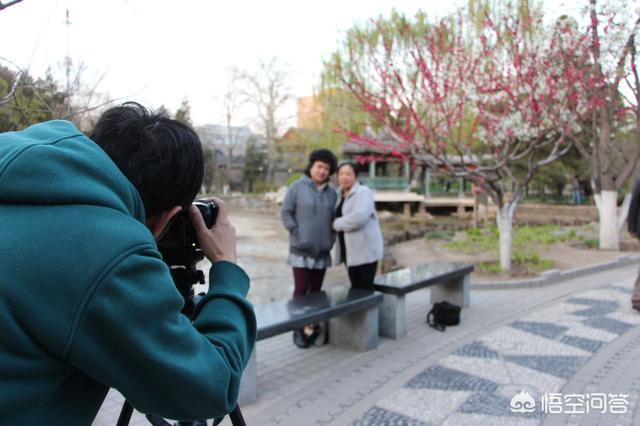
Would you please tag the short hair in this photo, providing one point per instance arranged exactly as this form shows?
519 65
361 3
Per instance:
162 157
349 163
325 156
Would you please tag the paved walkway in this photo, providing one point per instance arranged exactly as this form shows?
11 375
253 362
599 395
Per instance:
574 346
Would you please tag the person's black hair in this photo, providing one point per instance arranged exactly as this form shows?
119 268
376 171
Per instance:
162 157
325 156
349 163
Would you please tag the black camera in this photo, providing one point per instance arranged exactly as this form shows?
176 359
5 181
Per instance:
181 233
181 252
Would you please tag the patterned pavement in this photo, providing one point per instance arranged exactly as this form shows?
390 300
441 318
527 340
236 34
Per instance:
577 337
537 354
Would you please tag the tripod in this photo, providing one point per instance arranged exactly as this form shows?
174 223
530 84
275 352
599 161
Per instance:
185 275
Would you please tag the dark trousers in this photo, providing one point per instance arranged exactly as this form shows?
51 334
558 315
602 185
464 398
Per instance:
635 296
307 280
361 276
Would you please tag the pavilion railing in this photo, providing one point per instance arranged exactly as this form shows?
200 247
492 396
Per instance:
386 183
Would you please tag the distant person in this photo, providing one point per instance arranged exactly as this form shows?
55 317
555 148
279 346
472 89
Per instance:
447 184
587 190
307 213
360 244
576 190
633 225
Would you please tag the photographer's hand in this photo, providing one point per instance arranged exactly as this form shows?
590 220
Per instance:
219 242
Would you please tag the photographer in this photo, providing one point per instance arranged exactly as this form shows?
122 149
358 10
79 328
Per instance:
86 301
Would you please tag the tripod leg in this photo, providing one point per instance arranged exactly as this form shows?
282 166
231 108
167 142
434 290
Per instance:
236 417
125 414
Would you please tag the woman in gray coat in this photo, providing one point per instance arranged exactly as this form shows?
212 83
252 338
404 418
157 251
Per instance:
360 243
307 213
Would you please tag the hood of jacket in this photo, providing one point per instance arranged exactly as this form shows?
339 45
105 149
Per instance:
53 163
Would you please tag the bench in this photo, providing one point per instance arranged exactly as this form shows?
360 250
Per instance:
450 281
353 324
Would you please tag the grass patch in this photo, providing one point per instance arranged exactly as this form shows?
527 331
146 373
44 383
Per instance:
591 243
476 240
527 240
440 235
490 267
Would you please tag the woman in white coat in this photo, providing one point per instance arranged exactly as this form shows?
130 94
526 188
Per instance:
359 244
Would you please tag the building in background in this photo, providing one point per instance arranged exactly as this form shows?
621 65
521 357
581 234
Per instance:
225 149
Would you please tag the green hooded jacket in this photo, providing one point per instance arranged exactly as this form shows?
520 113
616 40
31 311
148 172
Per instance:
86 302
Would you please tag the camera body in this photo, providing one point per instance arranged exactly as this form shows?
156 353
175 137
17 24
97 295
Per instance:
181 252
181 233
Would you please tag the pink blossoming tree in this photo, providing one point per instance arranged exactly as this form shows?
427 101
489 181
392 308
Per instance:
610 86
474 94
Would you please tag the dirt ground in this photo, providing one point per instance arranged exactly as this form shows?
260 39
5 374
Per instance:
263 247
564 256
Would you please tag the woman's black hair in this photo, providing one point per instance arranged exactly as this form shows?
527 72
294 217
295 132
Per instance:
349 163
325 156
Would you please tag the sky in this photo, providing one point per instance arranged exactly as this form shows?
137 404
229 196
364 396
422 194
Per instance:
159 52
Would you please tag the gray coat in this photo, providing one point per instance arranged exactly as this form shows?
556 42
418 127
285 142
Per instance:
362 235
308 214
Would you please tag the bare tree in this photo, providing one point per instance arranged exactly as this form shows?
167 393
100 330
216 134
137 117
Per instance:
38 99
233 136
613 64
268 90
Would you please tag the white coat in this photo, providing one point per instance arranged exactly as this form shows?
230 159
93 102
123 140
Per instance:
359 222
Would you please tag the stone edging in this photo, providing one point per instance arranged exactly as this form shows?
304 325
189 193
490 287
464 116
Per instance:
554 275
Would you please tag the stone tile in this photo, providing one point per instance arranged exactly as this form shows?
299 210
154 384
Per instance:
543 329
458 419
608 324
552 313
377 416
534 382
439 377
559 366
427 405
476 349
511 341
489 369
621 289
492 404
594 307
581 330
590 345
626 314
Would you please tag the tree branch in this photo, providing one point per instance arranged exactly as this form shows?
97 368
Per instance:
10 3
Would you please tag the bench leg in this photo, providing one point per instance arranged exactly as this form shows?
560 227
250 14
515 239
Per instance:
356 331
455 291
393 318
249 382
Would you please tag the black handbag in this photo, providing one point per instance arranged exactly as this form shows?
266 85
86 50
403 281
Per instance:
443 314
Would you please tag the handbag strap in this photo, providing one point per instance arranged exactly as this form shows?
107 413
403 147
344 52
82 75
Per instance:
432 323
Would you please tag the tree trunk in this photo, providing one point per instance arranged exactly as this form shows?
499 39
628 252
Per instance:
504 220
607 203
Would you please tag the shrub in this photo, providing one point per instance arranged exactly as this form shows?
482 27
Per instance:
294 177
490 267
439 235
591 243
